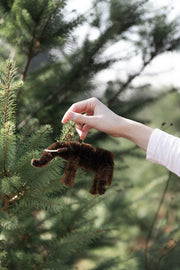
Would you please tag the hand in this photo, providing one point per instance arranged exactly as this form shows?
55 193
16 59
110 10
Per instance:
91 113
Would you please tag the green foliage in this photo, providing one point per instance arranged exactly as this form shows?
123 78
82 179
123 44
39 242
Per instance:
126 13
45 225
68 131
7 124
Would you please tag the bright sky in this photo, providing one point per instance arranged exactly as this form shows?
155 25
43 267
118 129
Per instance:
166 66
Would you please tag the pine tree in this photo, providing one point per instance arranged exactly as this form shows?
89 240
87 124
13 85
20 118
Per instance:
44 224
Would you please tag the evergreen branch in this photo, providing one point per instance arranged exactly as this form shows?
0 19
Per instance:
33 144
46 101
154 221
50 15
40 135
38 84
23 137
33 47
40 199
31 50
9 67
129 80
47 189
30 54
67 134
83 237
5 173
29 58
90 204
36 198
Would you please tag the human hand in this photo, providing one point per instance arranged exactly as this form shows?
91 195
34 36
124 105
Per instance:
91 113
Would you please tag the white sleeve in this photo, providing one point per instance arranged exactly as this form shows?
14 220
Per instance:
164 149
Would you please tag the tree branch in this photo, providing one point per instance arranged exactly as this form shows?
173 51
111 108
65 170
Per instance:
9 66
47 100
129 80
154 221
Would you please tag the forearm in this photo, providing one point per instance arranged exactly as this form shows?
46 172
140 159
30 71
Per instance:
160 147
136 132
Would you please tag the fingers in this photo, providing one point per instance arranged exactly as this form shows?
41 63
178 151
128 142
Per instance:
72 116
84 121
91 113
82 131
80 107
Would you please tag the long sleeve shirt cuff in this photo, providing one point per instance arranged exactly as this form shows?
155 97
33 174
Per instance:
164 149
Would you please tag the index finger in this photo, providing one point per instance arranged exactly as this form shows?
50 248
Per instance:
78 107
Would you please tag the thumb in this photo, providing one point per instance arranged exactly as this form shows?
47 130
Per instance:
82 132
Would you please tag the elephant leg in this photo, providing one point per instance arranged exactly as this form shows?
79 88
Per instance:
101 180
109 173
70 171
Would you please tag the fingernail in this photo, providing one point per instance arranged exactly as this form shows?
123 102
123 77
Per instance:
67 117
63 120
